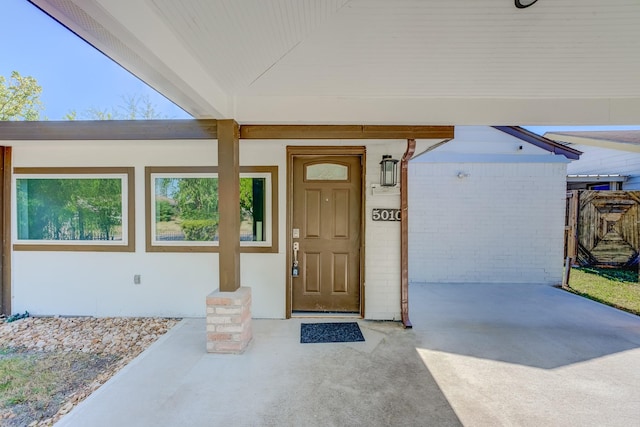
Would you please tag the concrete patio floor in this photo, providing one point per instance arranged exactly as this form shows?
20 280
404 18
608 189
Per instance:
478 355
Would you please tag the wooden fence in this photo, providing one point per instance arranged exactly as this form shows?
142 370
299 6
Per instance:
603 228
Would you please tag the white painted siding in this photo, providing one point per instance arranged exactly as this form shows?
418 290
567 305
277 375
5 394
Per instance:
175 284
605 161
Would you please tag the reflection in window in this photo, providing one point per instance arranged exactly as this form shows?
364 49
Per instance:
326 172
184 211
71 209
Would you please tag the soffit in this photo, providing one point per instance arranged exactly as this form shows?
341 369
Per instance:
470 61
439 48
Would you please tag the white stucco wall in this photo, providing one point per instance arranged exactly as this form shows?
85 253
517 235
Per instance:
175 284
502 222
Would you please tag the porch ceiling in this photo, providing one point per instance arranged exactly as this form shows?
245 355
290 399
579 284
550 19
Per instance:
376 61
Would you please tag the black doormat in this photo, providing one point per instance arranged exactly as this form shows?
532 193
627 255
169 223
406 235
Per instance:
330 332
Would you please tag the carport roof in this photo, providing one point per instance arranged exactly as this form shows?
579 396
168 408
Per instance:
626 140
439 62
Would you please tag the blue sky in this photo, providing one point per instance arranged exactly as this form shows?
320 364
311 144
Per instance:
75 76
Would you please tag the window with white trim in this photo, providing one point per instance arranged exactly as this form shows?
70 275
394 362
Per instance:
73 209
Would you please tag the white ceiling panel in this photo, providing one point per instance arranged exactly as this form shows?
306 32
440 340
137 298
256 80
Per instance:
457 62
402 48
239 41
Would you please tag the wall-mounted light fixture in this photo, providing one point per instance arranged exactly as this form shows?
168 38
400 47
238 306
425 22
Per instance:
462 175
521 4
388 171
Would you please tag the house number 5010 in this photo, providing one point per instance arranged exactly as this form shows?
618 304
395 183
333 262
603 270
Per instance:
386 214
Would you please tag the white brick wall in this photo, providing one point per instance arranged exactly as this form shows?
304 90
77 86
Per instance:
502 223
382 252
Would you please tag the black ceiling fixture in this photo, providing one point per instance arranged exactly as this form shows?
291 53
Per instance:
521 4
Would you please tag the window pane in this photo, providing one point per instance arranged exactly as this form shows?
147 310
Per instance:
81 209
184 215
186 209
252 209
327 172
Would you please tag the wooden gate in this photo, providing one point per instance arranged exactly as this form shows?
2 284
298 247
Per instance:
603 227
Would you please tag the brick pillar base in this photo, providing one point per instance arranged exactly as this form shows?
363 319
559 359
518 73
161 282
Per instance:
229 321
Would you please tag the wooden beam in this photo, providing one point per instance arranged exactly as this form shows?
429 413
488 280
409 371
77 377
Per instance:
95 130
229 205
344 132
5 228
100 130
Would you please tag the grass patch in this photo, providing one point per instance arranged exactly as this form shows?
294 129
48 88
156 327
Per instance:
22 380
33 385
615 287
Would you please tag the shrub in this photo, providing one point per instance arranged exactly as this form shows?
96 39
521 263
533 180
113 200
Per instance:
199 229
165 211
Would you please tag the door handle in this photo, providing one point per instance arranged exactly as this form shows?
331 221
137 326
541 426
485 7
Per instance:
295 271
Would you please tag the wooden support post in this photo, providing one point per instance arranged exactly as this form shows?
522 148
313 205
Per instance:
5 228
572 225
404 233
229 204
567 272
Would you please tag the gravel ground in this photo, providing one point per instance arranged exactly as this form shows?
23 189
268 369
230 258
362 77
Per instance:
117 339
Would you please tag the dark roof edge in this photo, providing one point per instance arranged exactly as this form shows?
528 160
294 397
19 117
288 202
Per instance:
540 141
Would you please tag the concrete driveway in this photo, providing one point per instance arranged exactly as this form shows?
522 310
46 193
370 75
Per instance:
479 355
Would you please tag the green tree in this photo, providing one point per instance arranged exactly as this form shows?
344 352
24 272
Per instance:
197 201
246 196
19 98
98 201
42 208
198 198
69 209
165 211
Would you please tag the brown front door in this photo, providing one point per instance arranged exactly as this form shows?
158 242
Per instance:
326 222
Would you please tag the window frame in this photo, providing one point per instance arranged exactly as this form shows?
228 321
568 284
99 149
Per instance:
127 177
271 209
